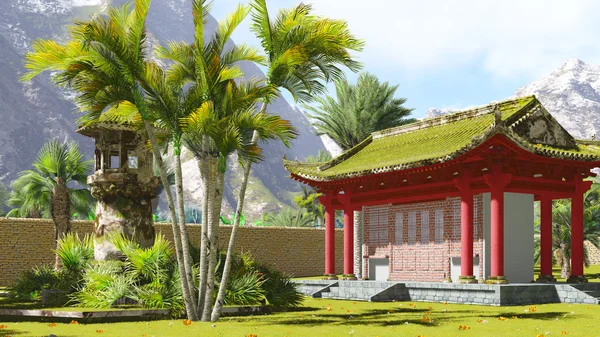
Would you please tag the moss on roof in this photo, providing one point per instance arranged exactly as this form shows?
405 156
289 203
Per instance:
436 140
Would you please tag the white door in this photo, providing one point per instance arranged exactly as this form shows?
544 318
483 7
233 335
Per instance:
379 269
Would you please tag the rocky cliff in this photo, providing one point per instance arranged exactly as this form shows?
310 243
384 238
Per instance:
34 112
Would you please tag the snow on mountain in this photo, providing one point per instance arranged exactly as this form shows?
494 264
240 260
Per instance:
571 94
50 7
435 112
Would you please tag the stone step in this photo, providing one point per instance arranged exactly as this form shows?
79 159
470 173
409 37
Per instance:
309 289
356 297
593 293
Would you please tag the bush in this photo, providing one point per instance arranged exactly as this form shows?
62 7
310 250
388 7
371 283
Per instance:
75 255
148 277
253 283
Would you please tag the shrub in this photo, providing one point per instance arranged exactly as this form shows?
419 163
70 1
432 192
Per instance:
253 283
75 255
147 276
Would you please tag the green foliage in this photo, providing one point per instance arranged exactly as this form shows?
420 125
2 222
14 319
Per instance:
226 221
75 253
253 283
303 50
245 289
359 110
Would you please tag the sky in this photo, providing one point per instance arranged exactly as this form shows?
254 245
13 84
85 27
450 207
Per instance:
457 54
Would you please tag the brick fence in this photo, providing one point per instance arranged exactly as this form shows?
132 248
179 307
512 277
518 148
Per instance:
26 243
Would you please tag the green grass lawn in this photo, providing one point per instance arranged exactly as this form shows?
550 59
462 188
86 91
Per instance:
350 318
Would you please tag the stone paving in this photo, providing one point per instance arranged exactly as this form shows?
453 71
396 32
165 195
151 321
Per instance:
482 294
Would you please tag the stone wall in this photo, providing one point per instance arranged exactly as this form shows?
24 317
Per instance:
593 253
26 243
479 294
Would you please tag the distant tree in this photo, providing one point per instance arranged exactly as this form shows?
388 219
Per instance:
320 157
193 215
4 196
289 217
46 190
309 200
358 110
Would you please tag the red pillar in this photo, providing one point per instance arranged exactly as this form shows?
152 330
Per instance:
546 239
329 240
348 242
497 181
466 237
577 233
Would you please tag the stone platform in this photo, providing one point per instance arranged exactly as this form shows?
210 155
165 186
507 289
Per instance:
481 294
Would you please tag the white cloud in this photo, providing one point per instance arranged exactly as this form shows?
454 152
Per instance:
507 38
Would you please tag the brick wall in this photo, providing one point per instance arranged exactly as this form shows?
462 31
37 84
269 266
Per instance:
414 256
26 243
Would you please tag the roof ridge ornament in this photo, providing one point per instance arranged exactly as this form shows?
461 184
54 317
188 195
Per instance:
497 115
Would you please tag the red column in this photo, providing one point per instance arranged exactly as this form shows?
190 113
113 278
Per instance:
329 240
348 242
497 181
497 230
466 237
577 233
546 239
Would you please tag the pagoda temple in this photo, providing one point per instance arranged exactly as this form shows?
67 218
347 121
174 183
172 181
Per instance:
452 197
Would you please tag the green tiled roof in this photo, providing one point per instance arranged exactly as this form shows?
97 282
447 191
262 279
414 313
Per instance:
440 139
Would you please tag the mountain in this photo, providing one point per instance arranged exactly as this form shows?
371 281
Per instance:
34 112
570 93
435 112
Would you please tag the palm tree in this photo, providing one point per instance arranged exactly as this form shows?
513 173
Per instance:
302 51
561 229
219 105
106 63
46 189
356 112
359 110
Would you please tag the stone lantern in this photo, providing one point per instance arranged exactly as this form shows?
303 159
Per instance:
123 184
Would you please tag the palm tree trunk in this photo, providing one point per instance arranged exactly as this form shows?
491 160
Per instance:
216 313
565 268
61 213
204 168
215 183
176 235
187 259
